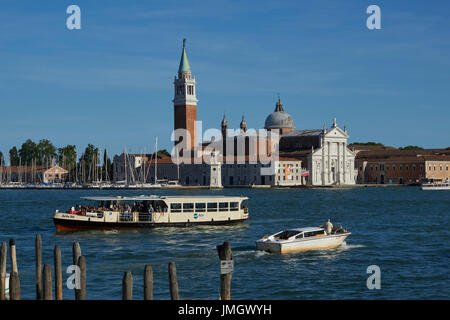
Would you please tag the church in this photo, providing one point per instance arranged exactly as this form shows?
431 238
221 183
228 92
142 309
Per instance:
321 155
276 155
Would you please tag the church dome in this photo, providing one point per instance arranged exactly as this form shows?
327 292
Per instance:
279 119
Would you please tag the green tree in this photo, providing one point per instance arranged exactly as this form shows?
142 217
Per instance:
107 166
90 154
163 152
28 152
370 143
89 161
1 158
411 148
67 156
14 157
46 151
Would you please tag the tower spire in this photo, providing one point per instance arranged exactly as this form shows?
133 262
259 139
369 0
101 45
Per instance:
184 62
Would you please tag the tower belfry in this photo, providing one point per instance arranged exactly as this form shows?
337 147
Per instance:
185 100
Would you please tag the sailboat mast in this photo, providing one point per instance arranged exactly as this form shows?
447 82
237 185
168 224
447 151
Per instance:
106 165
143 170
156 159
125 163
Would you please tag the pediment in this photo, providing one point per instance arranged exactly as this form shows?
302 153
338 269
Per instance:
336 132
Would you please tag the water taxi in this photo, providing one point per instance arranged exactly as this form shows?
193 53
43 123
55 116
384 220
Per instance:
302 239
151 211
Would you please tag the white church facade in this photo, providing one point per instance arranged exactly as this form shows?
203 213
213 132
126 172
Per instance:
332 163
329 160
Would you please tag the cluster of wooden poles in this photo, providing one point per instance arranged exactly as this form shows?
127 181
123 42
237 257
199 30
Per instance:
44 286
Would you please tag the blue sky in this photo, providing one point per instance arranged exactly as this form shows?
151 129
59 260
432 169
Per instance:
110 83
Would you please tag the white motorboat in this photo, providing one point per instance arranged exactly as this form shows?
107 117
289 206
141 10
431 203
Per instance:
172 184
149 185
436 186
302 239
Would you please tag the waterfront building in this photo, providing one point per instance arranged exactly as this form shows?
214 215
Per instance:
126 167
289 172
239 172
55 174
35 174
388 165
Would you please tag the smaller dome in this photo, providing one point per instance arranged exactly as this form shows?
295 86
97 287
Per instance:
279 119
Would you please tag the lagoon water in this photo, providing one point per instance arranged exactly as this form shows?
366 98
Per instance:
403 230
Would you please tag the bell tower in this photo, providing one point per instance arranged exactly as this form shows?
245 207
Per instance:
185 101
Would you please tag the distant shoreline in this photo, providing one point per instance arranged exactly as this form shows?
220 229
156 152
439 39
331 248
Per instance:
225 187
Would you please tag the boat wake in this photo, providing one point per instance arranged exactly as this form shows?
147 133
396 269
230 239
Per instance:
248 253
346 246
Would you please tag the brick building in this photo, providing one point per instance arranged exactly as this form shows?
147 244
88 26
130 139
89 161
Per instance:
386 165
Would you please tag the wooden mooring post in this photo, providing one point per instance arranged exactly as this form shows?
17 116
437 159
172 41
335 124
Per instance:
127 286
225 254
12 255
80 294
47 280
14 286
38 244
76 252
58 272
173 284
148 282
3 270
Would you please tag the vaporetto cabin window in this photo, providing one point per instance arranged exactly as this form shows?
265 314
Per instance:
212 207
188 207
234 206
175 207
200 207
223 206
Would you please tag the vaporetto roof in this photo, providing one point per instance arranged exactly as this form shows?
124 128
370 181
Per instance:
170 198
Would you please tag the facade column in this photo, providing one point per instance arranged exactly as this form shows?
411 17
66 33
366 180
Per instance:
329 162
322 169
345 162
338 173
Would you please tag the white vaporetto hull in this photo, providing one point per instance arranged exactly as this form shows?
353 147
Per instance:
305 244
